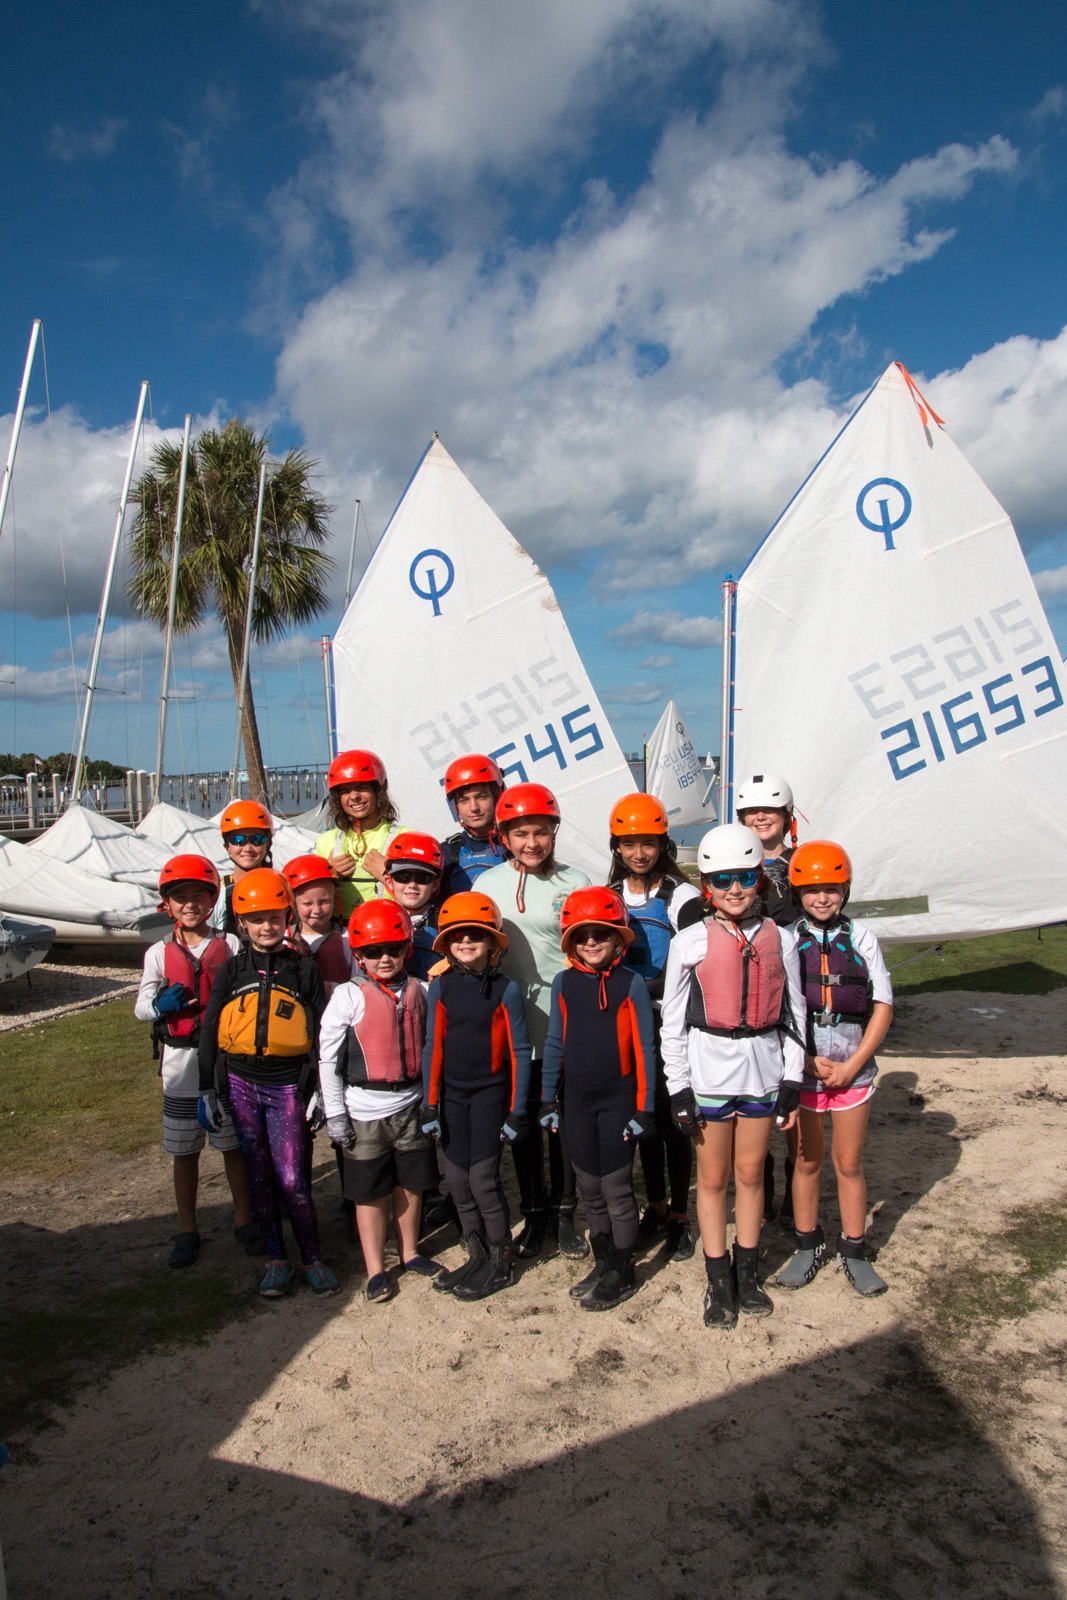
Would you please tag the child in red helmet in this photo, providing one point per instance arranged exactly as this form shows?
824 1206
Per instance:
414 863
363 819
257 1054
850 1007
600 1045
530 890
473 785
173 993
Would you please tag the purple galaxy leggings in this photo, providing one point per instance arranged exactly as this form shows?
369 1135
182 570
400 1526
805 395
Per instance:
272 1132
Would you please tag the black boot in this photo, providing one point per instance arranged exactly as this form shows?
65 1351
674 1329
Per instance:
753 1300
532 1234
785 1213
769 1212
720 1299
601 1243
616 1284
572 1244
438 1210
477 1254
496 1272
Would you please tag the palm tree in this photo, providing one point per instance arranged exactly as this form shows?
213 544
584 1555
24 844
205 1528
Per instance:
218 526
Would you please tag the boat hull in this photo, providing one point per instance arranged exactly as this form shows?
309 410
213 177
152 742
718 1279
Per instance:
22 946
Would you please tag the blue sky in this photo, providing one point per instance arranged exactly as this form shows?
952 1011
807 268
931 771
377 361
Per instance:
634 261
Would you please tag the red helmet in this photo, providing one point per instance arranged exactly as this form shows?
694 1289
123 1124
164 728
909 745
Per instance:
188 869
819 861
470 910
472 769
599 907
378 922
262 889
525 800
637 814
355 766
302 870
241 814
415 850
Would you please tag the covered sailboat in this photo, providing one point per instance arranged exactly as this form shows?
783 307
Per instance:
78 906
22 945
96 844
454 601
673 772
892 659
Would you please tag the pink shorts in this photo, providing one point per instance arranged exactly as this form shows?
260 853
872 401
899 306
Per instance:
835 1099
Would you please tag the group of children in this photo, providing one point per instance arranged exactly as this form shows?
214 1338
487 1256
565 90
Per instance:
477 995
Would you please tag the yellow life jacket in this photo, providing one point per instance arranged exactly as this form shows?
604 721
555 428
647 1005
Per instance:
264 1014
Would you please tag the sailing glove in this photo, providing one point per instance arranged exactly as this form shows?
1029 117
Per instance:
548 1116
315 1113
207 1111
516 1126
788 1101
171 999
685 1113
341 1132
640 1125
430 1119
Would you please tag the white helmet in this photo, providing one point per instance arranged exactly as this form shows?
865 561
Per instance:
731 847
763 792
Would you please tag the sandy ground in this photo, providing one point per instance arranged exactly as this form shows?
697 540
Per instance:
522 1446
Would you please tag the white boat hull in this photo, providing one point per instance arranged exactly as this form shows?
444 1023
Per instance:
22 946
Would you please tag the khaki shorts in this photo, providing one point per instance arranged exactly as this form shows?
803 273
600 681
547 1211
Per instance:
389 1153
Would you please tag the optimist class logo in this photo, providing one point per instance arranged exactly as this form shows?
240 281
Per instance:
432 590
893 509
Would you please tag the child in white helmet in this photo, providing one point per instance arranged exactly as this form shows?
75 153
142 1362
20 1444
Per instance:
849 999
733 1057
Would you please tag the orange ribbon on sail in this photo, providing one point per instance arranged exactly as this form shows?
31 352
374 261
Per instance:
922 404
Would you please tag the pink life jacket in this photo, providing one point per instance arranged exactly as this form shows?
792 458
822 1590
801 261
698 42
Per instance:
330 959
738 988
197 972
383 1050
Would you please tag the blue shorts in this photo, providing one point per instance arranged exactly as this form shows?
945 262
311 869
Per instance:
728 1107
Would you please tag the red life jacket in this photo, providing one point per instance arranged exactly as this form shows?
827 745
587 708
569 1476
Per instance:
330 958
197 972
738 988
383 1050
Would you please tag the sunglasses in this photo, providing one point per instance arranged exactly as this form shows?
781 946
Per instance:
412 875
746 879
239 839
592 935
375 952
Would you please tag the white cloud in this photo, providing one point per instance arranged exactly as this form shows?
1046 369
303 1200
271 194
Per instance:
1052 585
88 139
669 627
632 694
656 663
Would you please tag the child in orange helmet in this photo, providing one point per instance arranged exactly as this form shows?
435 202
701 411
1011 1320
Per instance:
257 1055
363 819
247 830
849 998
659 900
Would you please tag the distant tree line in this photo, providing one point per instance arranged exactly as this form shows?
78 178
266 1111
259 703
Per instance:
60 766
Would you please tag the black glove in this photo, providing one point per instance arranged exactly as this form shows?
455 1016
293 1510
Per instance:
640 1125
788 1101
430 1121
685 1113
171 999
548 1116
516 1126
315 1113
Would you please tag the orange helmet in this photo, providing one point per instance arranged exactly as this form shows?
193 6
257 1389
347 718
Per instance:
472 769
525 800
637 814
188 869
355 766
819 861
378 922
415 850
597 907
240 814
470 910
302 870
262 889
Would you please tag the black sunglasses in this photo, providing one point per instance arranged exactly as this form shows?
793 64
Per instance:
375 952
412 875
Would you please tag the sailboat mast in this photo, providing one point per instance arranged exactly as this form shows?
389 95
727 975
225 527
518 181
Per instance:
16 427
246 650
726 746
105 598
351 559
331 741
172 601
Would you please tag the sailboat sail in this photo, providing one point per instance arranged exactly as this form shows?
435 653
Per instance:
893 661
454 642
673 772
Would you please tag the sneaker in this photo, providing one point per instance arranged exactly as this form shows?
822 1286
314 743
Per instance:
322 1280
422 1266
380 1288
679 1245
276 1281
250 1239
857 1269
185 1251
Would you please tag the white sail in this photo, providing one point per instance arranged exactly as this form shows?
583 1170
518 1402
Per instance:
894 663
454 642
673 772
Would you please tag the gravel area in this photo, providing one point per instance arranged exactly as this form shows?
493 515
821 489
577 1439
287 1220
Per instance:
72 978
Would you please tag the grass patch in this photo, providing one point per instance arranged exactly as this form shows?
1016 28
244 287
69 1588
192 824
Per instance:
49 1355
969 1296
75 1088
1031 962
